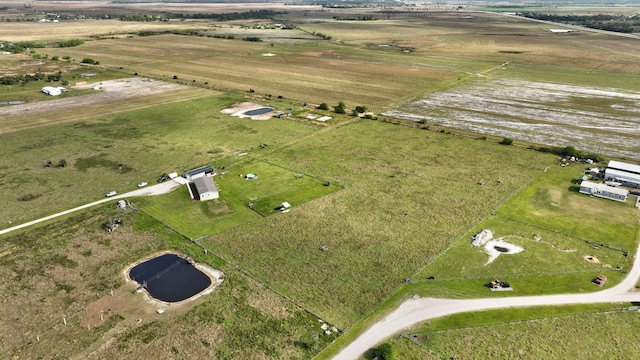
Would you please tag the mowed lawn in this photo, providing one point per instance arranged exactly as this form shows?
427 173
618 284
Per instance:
408 194
273 186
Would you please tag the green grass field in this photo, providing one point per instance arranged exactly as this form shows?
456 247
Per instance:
273 186
379 201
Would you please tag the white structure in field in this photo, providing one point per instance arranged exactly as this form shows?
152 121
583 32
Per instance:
206 189
623 173
604 191
53 90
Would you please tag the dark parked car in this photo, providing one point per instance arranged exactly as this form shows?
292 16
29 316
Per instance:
163 177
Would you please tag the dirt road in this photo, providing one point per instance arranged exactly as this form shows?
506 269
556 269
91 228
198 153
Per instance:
418 310
161 188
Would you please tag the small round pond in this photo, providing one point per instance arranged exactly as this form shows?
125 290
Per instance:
170 278
259 111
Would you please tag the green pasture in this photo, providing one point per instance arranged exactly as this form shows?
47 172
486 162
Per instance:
115 151
552 202
528 333
407 195
273 186
546 219
73 263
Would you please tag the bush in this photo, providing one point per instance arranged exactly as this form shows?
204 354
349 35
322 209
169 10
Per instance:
361 109
506 141
89 61
323 106
386 351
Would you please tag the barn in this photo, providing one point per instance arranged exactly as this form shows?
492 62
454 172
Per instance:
205 188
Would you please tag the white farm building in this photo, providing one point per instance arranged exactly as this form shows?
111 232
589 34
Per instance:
206 189
623 173
604 191
53 90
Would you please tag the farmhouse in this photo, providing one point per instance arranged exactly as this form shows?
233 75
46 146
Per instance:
623 173
199 172
206 189
604 191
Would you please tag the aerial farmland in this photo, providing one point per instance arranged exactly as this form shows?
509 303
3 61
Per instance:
353 155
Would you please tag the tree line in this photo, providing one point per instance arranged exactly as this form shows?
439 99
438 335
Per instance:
615 23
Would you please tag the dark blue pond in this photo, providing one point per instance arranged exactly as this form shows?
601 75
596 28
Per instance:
170 278
260 111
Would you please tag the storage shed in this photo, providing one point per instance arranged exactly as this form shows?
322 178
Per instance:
206 189
604 191
199 172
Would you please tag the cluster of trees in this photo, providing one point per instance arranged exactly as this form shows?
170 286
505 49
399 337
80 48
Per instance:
253 14
21 46
69 43
355 18
141 18
616 23
252 38
90 61
26 78
341 108
569 151
321 35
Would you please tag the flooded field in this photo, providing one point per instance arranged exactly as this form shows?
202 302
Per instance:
597 120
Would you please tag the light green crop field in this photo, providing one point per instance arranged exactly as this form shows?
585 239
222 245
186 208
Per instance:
375 202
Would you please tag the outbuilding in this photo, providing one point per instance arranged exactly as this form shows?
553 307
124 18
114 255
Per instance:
53 90
206 189
199 172
604 191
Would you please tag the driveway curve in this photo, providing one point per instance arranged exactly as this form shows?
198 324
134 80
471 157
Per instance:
418 310
158 189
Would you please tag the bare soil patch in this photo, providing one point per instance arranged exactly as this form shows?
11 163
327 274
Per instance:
109 91
240 108
599 120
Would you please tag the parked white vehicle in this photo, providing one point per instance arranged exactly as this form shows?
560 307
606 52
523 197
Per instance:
111 193
142 184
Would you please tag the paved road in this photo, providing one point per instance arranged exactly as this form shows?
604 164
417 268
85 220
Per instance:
161 188
418 310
